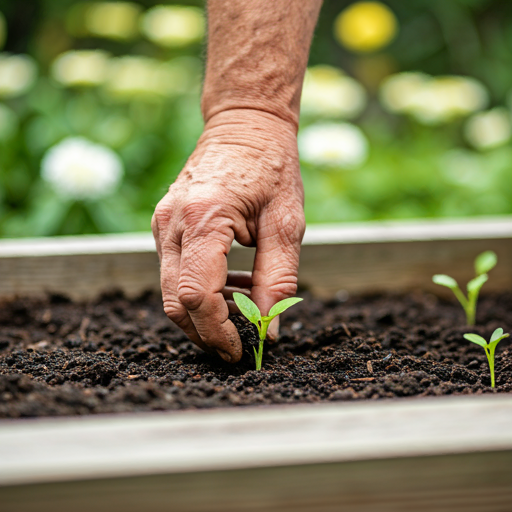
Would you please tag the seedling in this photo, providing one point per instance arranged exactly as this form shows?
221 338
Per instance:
489 348
252 313
483 263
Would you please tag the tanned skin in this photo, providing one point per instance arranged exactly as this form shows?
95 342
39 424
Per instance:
242 182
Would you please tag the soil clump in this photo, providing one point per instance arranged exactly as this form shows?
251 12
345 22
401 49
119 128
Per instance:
118 355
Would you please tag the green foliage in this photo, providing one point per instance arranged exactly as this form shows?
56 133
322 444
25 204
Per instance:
249 309
412 170
489 348
483 263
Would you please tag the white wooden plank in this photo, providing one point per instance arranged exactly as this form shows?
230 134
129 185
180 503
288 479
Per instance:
410 231
316 234
113 446
357 258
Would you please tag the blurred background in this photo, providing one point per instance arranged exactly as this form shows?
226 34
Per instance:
406 111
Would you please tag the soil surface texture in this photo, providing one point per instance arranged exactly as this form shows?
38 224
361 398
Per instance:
120 355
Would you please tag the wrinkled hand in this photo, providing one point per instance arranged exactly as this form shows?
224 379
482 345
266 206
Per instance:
241 183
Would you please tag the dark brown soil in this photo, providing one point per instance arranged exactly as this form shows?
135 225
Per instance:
117 355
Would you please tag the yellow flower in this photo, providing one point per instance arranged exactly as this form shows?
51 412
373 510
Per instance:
365 26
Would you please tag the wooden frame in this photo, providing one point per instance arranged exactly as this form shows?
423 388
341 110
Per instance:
357 258
443 454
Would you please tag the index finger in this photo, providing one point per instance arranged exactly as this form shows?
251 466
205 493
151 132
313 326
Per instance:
203 275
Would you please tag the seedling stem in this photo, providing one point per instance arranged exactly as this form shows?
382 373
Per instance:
252 313
483 263
489 348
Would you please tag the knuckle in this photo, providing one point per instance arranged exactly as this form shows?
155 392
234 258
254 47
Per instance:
292 227
191 296
175 311
193 212
283 287
154 225
161 216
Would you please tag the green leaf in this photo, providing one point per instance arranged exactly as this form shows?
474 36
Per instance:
498 333
247 307
445 280
283 305
475 284
485 262
474 338
496 337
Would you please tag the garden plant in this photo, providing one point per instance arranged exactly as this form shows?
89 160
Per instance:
253 314
489 348
484 262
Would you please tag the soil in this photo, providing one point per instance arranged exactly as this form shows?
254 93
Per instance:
118 355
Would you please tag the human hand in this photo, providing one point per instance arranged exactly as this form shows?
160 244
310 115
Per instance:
241 183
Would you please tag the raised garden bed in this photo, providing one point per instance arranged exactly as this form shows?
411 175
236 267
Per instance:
122 355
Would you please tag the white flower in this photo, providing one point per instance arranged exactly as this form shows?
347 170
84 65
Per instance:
328 92
397 92
17 74
81 67
433 100
173 25
80 169
333 144
490 129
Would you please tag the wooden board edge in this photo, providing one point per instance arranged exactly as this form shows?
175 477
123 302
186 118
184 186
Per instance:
60 449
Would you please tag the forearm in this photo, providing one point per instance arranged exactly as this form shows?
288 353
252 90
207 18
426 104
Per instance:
257 55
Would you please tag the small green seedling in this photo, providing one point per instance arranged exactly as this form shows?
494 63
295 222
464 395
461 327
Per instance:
483 263
252 313
489 348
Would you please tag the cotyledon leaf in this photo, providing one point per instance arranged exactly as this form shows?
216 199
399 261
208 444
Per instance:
485 262
445 280
282 305
477 283
476 339
498 333
247 307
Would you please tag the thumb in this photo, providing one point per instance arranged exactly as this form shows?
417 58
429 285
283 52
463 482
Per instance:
277 261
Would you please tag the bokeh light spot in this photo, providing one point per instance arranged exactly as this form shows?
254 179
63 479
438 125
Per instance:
174 25
17 74
81 67
365 26
110 20
328 92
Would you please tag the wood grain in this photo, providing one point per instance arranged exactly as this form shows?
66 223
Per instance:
477 482
431 454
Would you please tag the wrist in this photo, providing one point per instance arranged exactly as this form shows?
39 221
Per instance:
251 127
264 109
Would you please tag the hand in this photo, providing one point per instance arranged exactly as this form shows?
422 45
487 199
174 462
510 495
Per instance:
241 183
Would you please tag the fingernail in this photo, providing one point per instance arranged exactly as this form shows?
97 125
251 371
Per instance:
225 355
